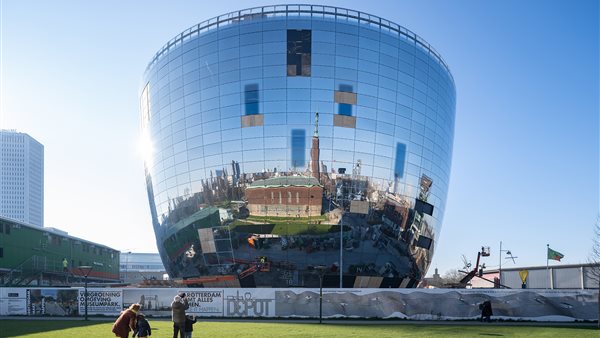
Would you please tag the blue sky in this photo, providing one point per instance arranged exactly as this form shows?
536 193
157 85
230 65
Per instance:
526 147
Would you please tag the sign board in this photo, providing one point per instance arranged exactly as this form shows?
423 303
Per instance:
359 207
102 301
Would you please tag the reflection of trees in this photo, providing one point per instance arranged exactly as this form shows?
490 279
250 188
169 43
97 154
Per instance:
594 271
180 208
216 190
65 296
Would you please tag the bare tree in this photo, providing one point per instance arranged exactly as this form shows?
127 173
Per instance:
452 276
594 271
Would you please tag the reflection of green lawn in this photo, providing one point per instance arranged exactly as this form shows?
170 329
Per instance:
271 219
283 226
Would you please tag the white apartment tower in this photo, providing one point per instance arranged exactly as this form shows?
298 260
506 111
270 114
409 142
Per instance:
21 177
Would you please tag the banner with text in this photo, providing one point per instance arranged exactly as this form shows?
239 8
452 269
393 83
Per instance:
205 302
102 301
249 303
13 301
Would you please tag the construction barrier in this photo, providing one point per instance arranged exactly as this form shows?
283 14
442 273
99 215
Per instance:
415 304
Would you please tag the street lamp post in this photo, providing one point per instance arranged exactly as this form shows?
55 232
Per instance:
500 265
85 270
342 248
126 266
321 270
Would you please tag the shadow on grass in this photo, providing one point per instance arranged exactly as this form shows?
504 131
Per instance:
11 328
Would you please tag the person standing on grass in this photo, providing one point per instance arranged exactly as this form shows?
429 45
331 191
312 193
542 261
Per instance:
126 321
486 311
189 325
178 307
142 328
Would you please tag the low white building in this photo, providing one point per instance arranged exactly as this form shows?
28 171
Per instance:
567 276
137 267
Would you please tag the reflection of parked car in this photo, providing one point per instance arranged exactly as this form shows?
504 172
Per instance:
388 270
284 243
292 242
243 213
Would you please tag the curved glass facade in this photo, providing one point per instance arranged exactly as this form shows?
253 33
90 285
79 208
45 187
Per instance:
283 138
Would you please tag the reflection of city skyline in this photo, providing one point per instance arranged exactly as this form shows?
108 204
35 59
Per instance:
338 190
270 164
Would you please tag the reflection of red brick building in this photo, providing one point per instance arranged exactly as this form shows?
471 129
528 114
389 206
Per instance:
396 214
295 196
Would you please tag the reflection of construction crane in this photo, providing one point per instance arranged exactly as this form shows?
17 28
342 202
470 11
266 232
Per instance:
356 169
255 268
261 264
355 189
207 279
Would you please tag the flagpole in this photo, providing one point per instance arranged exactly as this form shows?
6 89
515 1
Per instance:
547 274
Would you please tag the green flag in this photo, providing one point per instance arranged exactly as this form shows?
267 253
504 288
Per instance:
555 255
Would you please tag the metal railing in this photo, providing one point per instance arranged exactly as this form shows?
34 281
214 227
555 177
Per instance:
31 267
316 11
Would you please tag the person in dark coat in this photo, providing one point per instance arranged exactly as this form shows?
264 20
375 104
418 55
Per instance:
142 329
189 325
486 311
126 321
178 307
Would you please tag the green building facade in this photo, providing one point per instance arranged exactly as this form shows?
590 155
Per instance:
31 255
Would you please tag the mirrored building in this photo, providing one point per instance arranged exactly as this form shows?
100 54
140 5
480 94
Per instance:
288 141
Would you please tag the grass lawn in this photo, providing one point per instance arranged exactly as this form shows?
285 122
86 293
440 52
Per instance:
161 328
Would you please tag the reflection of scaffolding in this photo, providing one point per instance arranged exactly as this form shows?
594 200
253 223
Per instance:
425 185
352 187
216 245
356 190
356 169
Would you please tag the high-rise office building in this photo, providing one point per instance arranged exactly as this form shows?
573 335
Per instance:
291 137
21 178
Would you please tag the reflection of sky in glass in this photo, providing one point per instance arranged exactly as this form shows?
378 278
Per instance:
344 108
399 161
146 147
251 99
298 148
